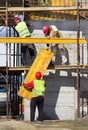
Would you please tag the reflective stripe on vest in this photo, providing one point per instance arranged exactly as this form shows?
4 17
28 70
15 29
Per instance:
22 29
39 88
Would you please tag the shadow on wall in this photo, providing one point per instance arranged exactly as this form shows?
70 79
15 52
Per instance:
58 57
84 103
51 96
29 55
58 87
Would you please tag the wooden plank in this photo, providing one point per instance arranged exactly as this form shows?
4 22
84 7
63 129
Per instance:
67 8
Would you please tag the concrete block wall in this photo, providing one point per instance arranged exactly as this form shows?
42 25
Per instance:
60 99
61 92
70 48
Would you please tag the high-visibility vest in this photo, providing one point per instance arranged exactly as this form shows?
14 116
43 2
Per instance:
22 29
59 35
44 2
39 88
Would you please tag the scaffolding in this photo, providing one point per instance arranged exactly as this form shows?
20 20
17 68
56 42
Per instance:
70 8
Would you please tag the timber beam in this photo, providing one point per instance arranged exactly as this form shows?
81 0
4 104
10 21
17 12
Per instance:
56 67
29 40
20 69
71 8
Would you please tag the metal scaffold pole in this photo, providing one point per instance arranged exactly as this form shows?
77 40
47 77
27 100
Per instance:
78 60
6 22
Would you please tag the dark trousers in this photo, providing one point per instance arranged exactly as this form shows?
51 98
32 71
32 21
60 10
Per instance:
39 103
24 49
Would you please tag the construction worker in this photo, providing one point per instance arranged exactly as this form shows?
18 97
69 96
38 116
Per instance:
38 90
23 31
52 32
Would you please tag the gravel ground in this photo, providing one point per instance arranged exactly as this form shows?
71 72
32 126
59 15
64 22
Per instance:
79 124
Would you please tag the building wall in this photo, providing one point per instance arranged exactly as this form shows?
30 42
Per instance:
61 90
60 98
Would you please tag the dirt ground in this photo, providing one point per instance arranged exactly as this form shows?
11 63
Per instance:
79 124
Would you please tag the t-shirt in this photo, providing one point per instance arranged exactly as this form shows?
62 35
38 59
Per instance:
54 28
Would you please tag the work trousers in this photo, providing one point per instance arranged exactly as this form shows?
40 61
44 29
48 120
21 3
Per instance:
24 49
39 103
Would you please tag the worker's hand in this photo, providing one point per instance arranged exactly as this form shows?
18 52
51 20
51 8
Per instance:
55 34
49 37
23 84
29 89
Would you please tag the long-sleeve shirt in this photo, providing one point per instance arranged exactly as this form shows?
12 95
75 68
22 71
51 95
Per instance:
30 85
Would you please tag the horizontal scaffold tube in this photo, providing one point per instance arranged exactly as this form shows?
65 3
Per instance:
56 67
41 40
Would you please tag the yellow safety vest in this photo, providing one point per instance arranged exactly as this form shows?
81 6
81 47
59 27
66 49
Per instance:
59 35
39 88
45 2
22 29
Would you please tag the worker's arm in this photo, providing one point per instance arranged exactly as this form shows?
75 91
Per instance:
55 33
28 23
29 85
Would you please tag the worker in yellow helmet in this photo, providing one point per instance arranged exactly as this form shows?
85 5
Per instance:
52 32
38 90
23 31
